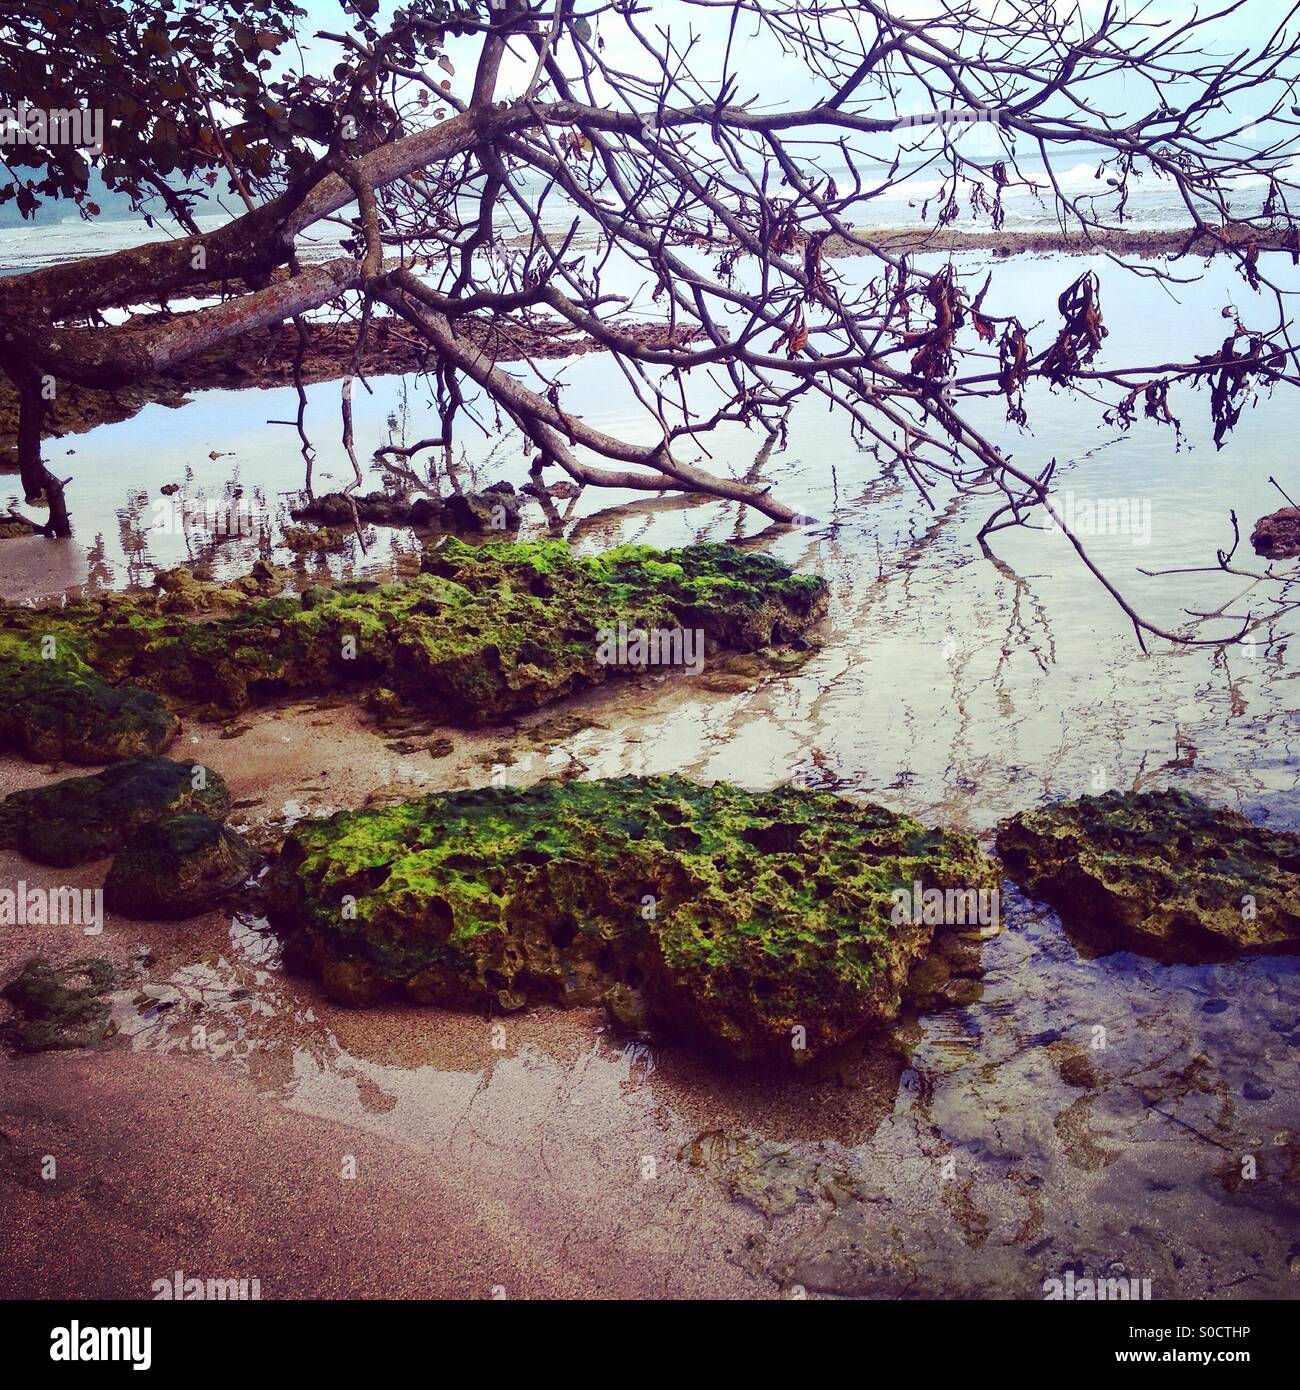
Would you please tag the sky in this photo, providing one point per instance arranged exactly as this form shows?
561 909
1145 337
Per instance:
773 79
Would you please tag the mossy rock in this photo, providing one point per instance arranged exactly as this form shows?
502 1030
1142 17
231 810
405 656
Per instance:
488 630
496 508
177 867
59 1006
57 708
1159 871
180 590
307 538
732 917
83 818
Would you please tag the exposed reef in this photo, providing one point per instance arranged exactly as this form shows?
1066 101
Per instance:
59 1006
84 818
485 631
1159 871
56 708
763 924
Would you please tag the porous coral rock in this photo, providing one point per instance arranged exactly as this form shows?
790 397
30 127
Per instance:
55 707
761 923
486 631
1160 871
1277 536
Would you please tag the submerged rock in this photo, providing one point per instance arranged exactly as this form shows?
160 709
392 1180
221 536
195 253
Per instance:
1161 870
487 630
760 923
305 538
177 867
495 509
56 708
335 509
59 1006
1277 536
82 818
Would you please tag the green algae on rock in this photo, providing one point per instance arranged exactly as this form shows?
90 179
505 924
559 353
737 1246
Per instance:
57 708
758 922
83 818
59 1006
486 631
307 538
1161 870
177 867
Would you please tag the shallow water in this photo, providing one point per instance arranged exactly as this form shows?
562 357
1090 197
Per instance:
1087 1115
982 1149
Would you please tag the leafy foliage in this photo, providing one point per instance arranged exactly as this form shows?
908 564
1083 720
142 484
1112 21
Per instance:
197 98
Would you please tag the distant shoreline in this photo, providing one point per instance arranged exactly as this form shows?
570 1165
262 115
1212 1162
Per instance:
265 358
1145 242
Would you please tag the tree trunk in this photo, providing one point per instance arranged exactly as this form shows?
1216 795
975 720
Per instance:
37 480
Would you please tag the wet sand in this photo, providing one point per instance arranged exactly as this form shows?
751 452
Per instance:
544 1165
166 1164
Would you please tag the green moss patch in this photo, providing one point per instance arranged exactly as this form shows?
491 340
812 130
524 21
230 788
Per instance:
56 707
1160 871
59 1006
756 922
485 631
83 818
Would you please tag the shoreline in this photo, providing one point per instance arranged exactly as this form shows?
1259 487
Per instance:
1146 243
522 1167
264 360
565 1163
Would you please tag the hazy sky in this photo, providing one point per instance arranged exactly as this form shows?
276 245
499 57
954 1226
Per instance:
776 79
